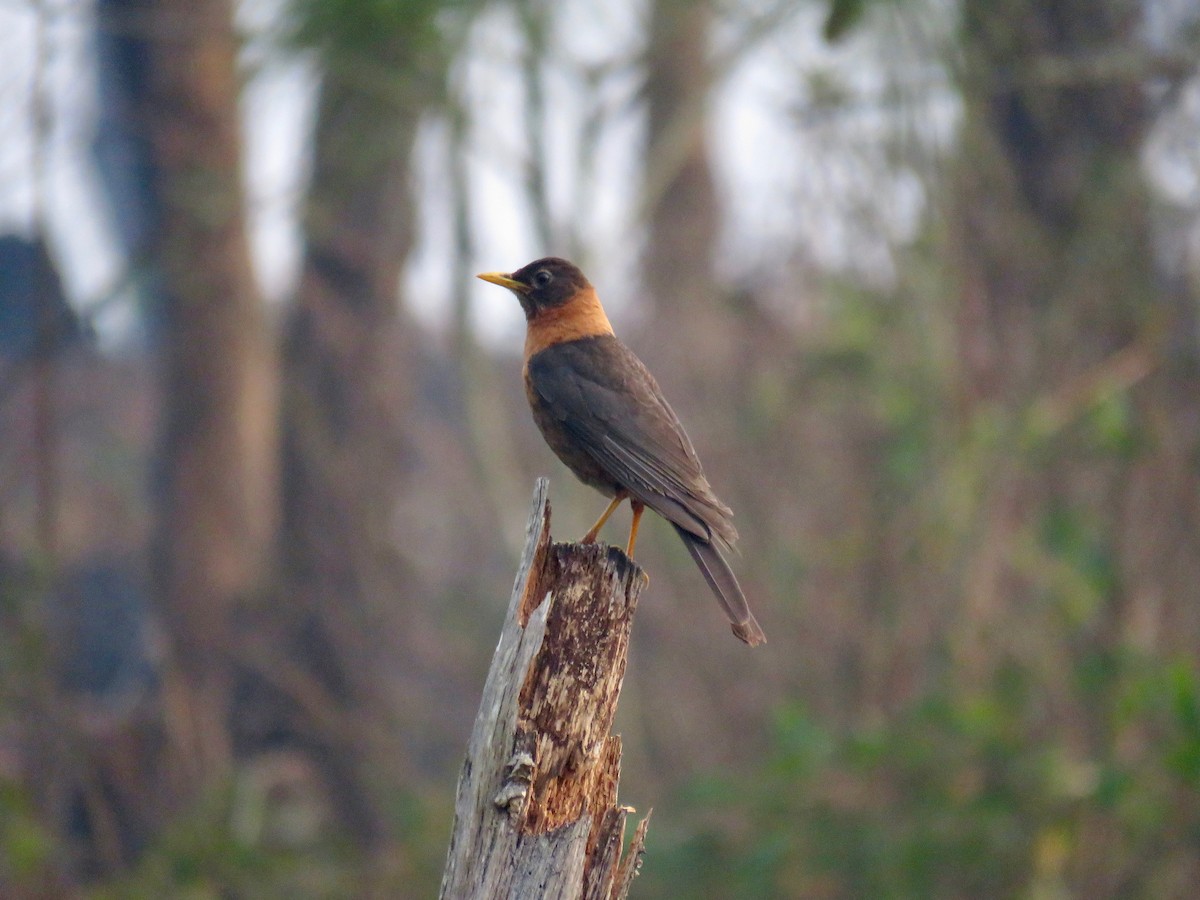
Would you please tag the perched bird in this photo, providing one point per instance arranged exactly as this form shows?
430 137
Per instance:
603 414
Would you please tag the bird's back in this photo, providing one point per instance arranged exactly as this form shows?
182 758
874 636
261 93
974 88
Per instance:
603 414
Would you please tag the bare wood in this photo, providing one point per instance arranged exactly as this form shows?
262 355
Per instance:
536 814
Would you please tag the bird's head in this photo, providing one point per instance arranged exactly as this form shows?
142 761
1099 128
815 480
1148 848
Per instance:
543 284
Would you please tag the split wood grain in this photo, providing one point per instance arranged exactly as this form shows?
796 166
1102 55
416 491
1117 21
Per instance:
536 813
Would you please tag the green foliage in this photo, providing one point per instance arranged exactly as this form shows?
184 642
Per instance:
232 848
1111 428
364 26
1183 751
875 350
1082 570
206 855
383 47
1049 753
956 794
843 16
422 825
26 848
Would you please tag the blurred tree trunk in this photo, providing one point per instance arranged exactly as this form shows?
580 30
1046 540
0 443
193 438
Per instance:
1057 264
1065 321
349 361
699 347
115 761
219 445
679 193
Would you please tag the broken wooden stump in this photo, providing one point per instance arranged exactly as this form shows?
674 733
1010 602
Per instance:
536 814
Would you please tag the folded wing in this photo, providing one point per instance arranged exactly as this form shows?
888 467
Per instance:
615 411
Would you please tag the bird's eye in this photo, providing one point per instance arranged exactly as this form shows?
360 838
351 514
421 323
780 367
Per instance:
542 278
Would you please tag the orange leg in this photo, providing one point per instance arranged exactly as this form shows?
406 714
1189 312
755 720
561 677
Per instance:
590 537
638 509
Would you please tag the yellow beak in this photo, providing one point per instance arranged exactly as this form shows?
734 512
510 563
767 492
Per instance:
502 279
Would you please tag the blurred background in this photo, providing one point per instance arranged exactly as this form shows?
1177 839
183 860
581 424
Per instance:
922 277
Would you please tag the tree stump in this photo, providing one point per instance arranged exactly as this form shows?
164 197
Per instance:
536 814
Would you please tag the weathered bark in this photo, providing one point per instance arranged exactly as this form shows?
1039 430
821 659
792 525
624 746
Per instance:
218 468
536 814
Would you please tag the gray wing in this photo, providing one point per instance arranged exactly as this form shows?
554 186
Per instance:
603 395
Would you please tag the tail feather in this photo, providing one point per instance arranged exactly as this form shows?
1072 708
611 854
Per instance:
724 584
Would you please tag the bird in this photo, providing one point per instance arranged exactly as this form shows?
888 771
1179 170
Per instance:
604 415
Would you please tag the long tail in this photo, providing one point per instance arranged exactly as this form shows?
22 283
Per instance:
724 584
